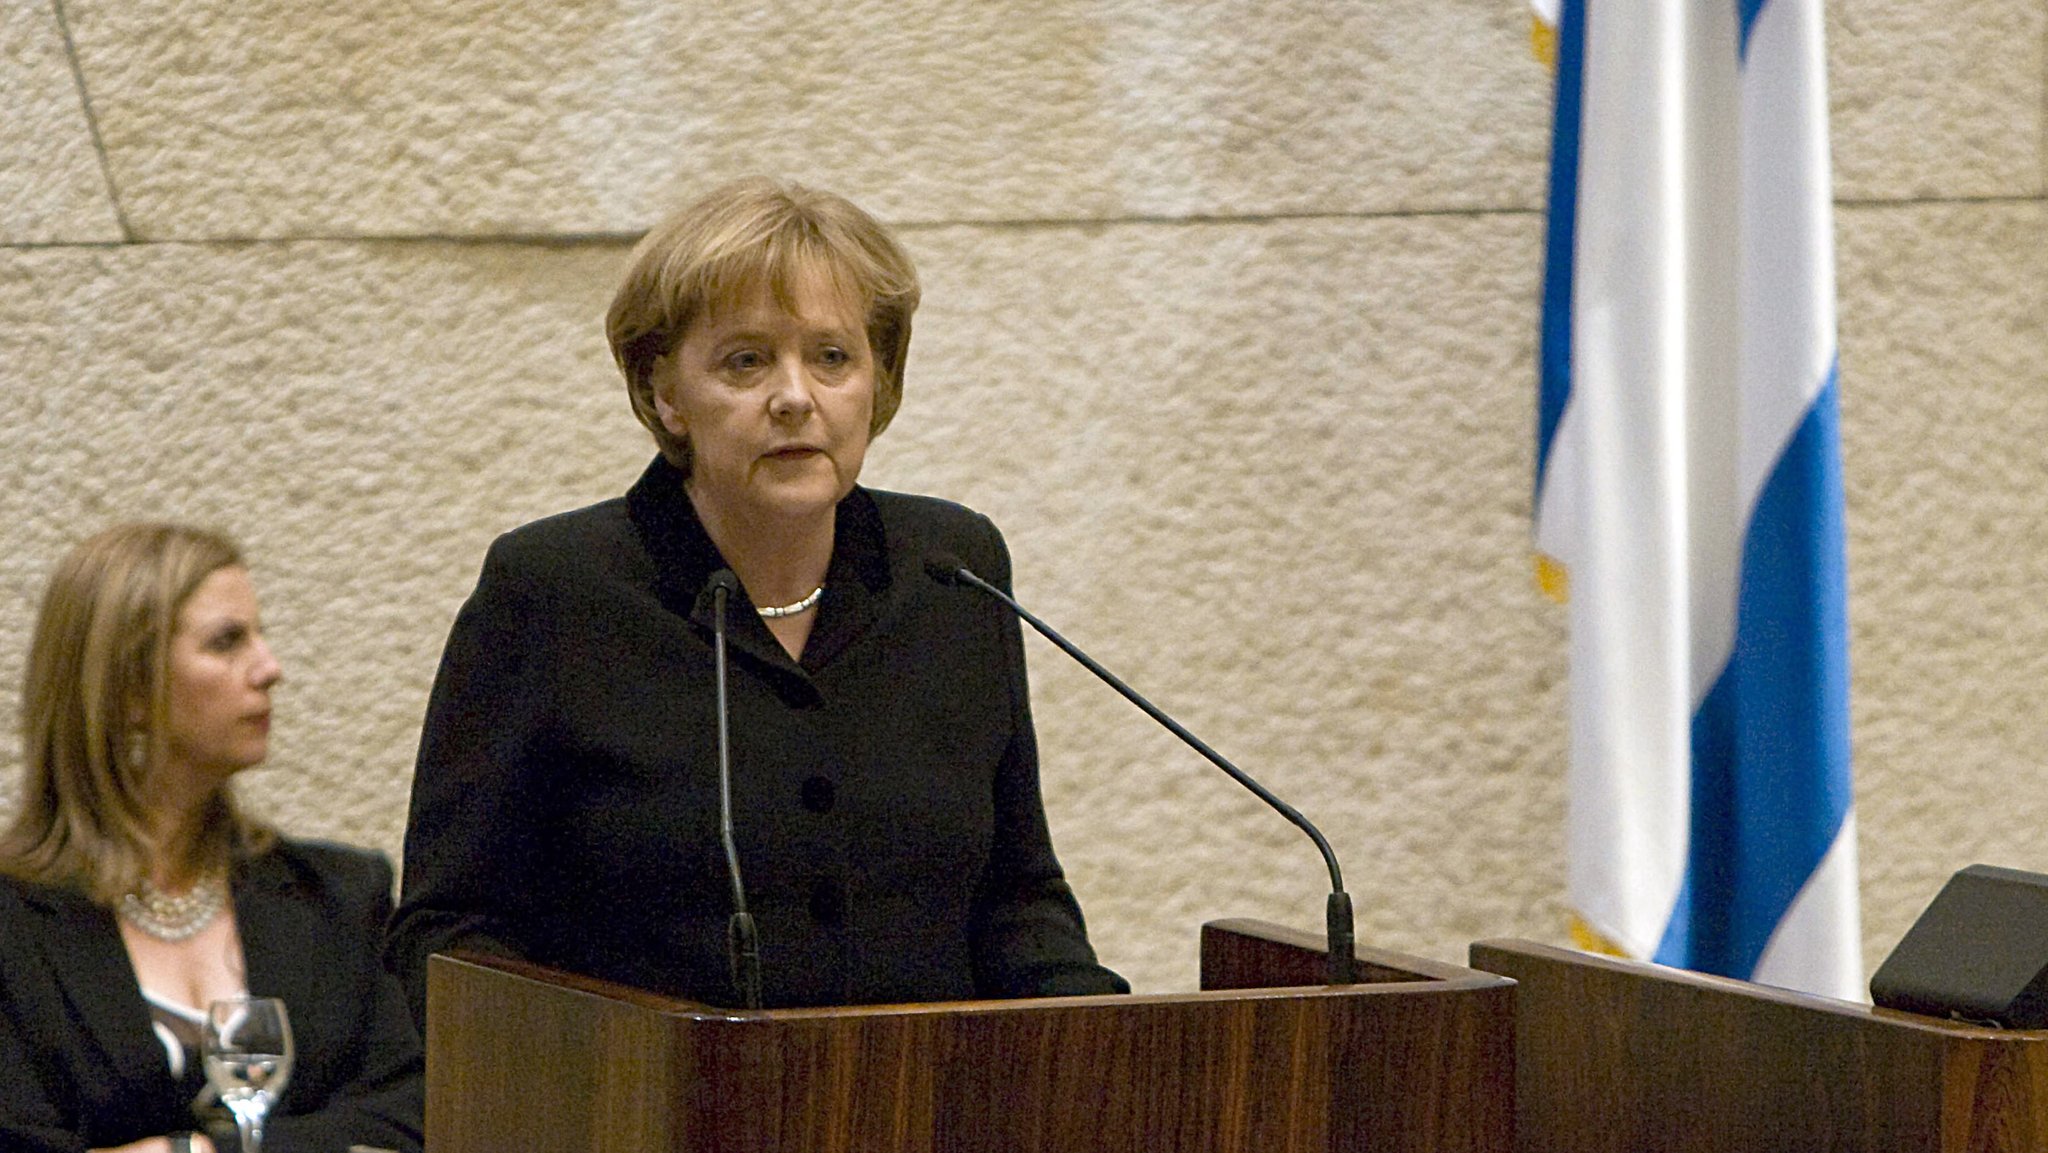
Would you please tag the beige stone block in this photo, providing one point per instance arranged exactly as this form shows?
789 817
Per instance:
52 189
1945 457
294 117
1938 99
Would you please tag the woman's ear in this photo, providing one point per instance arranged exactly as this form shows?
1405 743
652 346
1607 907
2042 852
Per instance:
662 379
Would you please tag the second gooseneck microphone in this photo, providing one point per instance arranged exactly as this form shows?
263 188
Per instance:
743 942
1341 968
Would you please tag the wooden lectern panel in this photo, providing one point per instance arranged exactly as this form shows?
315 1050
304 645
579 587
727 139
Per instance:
521 1057
1616 1056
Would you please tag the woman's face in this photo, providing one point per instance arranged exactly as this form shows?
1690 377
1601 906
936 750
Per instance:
220 678
775 403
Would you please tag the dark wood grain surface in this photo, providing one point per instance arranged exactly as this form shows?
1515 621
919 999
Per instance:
524 1058
1616 1056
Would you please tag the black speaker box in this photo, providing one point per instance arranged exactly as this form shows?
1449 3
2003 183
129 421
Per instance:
1979 952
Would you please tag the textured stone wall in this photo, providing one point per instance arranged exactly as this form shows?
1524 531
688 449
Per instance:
1230 323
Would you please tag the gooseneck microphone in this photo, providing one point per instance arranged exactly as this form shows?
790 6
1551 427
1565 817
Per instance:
743 943
948 570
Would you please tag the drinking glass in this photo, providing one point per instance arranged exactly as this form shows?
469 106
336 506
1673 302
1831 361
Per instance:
247 1050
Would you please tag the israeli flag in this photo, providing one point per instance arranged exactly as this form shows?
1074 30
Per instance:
1689 491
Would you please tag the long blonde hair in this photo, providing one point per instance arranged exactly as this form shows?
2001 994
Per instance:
95 701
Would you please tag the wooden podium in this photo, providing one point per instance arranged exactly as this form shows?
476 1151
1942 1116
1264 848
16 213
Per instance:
1620 1056
1418 1056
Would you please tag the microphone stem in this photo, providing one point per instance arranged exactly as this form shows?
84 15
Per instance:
725 833
742 941
1340 902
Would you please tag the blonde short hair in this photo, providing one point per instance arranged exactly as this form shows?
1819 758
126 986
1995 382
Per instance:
94 706
750 234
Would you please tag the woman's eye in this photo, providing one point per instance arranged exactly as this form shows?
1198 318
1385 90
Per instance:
745 360
834 357
226 640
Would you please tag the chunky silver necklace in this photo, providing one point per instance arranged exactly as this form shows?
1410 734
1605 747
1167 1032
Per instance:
179 917
803 605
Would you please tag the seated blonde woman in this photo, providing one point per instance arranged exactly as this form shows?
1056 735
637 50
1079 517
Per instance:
133 891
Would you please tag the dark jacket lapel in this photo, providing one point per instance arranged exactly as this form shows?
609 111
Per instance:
284 945
82 946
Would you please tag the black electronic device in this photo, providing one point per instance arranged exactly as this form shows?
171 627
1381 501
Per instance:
1979 953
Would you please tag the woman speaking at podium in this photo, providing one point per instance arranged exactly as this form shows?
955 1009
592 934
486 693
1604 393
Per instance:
884 779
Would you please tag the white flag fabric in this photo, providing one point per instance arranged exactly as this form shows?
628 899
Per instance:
1689 486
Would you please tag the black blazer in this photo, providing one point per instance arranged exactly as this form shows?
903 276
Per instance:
80 1067
888 817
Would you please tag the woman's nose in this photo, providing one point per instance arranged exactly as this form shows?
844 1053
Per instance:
265 672
792 395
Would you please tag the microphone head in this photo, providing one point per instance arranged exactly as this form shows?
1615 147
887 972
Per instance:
707 598
944 568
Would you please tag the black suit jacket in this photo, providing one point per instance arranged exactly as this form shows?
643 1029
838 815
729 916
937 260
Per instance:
81 1068
888 817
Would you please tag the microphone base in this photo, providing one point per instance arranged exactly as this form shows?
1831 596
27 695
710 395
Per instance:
1343 947
743 945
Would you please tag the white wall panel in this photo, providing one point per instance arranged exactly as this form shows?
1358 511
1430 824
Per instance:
52 189
229 118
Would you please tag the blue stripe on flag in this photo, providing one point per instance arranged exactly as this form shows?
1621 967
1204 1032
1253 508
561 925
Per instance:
1770 744
1560 233
1747 11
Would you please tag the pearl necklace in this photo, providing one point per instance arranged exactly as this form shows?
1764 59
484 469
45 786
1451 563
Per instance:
175 918
803 605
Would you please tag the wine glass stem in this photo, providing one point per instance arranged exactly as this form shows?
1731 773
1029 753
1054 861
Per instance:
250 1122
